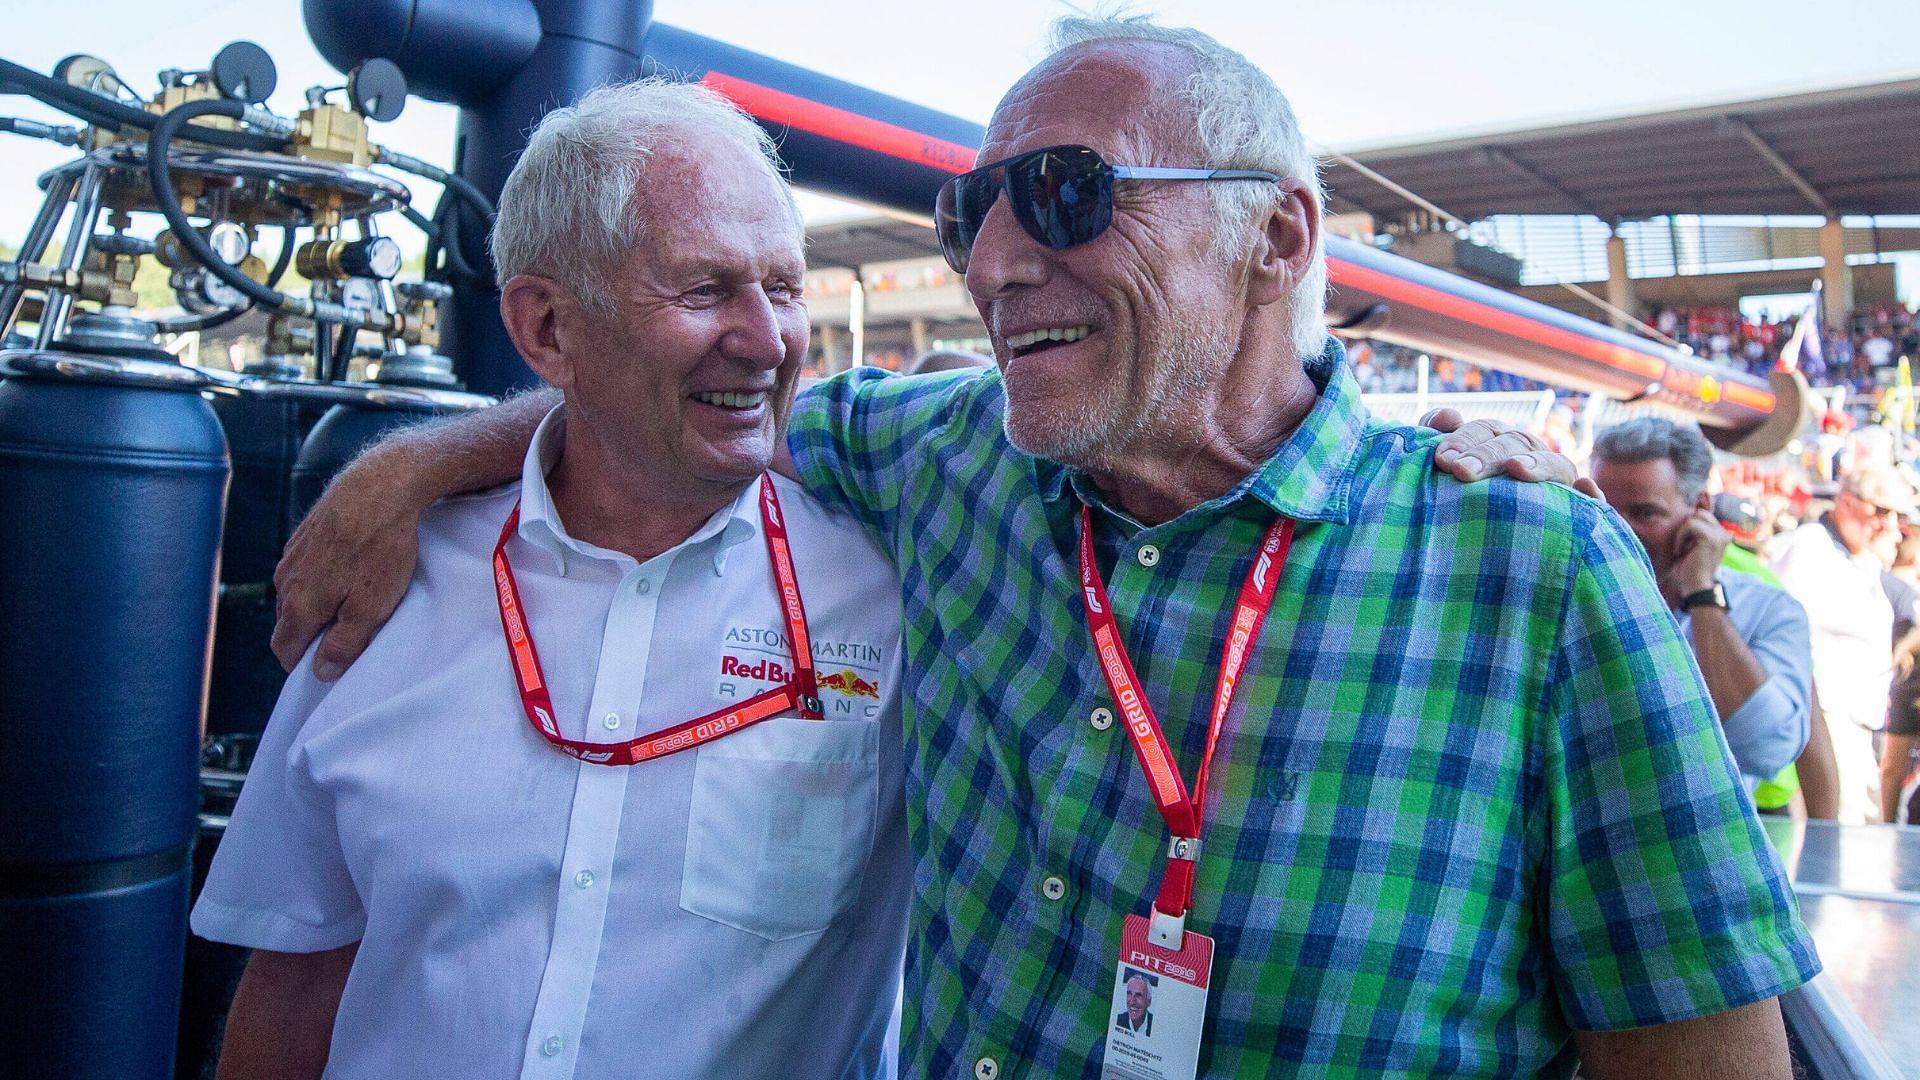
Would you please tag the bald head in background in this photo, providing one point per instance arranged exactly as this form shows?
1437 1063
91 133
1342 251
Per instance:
947 360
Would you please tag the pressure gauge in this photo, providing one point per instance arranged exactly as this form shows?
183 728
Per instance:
244 72
361 294
203 294
377 89
230 241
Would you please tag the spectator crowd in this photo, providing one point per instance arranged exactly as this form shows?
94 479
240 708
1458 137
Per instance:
1861 356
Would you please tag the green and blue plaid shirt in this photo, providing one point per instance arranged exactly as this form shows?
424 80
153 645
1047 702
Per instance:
1471 793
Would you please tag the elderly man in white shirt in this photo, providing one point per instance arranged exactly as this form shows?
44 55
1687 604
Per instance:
1833 568
617 791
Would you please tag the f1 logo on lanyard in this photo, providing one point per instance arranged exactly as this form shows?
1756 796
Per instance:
1160 983
802 695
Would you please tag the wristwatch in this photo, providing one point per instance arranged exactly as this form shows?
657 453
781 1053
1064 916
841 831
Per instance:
1710 597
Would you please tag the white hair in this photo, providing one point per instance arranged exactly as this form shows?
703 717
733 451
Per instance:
569 212
1243 121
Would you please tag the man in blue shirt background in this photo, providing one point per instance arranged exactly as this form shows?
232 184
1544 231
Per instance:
1749 638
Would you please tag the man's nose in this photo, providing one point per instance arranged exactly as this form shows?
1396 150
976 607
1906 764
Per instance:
754 331
1004 257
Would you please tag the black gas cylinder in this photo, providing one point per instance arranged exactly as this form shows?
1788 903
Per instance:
411 387
113 475
264 432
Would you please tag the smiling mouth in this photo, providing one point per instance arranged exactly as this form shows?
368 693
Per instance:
737 401
1038 341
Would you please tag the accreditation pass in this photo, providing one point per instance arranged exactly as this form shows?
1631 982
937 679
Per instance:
1159 1005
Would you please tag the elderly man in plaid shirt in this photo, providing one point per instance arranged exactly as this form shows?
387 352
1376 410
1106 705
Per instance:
1469 811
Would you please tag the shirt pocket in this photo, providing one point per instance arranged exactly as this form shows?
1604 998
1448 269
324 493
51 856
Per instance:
781 825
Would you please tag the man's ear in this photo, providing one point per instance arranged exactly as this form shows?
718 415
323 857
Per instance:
1288 236
541 317
1703 501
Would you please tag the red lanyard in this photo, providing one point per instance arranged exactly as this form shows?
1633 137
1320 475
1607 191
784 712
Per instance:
802 695
1184 812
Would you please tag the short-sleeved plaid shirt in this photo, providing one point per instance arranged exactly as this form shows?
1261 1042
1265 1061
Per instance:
1470 795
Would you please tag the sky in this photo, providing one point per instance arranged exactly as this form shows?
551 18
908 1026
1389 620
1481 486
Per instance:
1361 73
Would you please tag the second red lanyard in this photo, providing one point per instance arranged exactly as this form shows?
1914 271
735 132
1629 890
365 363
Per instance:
1183 809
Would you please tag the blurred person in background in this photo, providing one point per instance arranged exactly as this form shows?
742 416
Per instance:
1897 779
1834 569
1749 637
1906 555
1747 523
1751 527
947 360
1899 771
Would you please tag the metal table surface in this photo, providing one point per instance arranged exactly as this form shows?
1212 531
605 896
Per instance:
1859 891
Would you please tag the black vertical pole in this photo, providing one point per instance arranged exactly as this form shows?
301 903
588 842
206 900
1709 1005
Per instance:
506 62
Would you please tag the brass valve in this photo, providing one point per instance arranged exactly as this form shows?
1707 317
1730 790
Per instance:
336 260
331 133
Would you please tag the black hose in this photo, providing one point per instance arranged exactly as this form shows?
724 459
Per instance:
462 266
343 340
207 322
456 185
428 229
287 244
463 188
322 353
439 231
105 112
34 129
168 200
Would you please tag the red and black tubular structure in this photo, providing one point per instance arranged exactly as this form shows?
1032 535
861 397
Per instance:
505 62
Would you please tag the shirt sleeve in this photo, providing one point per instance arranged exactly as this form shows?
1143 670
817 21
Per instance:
280 880
1664 900
1768 731
859 439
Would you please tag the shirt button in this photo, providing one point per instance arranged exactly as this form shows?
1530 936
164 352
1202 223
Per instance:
612 720
584 879
643 586
552 1045
1148 555
1102 719
986 1069
1053 888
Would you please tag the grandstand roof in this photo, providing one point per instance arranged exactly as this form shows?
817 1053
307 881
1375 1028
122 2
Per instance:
1853 150
868 240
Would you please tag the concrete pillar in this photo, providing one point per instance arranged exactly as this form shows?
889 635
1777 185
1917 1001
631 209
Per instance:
1836 277
917 326
1619 285
830 360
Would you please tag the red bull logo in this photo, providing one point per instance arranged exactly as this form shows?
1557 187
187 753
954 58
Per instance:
760 670
849 683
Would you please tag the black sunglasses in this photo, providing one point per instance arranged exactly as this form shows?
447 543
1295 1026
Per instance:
1061 195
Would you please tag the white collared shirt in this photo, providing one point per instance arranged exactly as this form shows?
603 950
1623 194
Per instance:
733 911
1851 622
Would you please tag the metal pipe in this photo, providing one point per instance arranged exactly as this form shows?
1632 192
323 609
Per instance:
39 235
86 206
